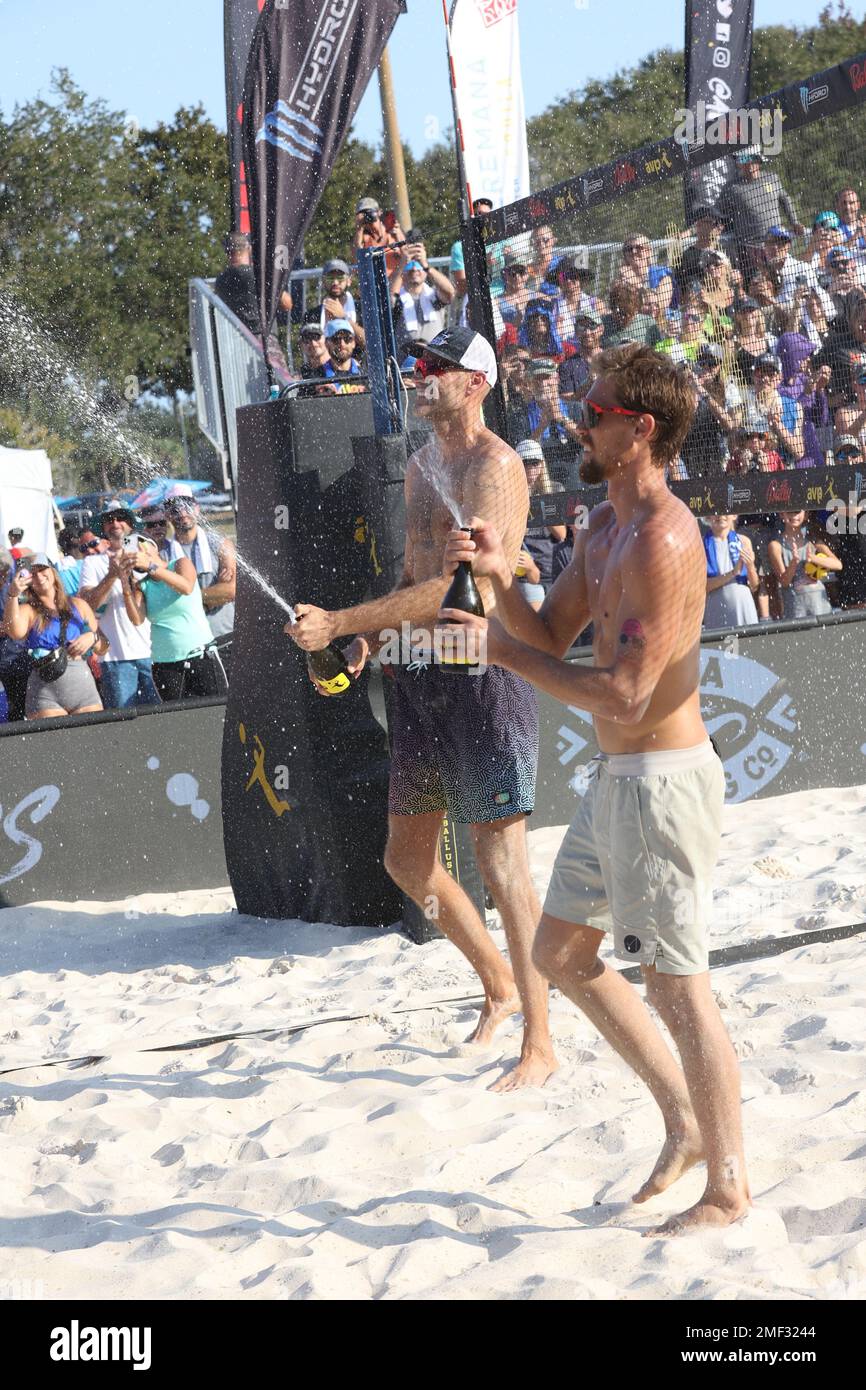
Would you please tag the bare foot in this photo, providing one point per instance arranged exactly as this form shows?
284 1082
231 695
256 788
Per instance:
534 1068
680 1152
494 1012
704 1213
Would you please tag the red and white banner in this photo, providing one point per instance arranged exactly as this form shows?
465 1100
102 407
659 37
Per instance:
485 52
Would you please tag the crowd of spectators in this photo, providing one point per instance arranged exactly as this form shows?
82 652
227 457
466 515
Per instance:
140 614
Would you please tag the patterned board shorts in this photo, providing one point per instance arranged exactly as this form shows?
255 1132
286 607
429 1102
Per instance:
463 744
638 858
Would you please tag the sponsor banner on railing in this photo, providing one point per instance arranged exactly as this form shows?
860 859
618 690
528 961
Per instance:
809 489
800 103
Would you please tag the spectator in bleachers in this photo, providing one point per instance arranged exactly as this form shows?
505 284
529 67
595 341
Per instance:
800 566
154 524
314 352
846 205
419 302
15 659
339 302
341 364
513 300
784 416
544 260
457 268
373 230
751 204
39 611
624 323
636 269
214 561
538 332
760 287
236 287
848 452
732 577
826 237
752 448
572 297
548 414
91 544
751 337
787 273
844 350
535 561
850 419
127 675
806 384
575 373
685 345
514 365
705 447
813 320
707 224
718 284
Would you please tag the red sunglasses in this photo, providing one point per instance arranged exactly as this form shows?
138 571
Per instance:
589 422
435 366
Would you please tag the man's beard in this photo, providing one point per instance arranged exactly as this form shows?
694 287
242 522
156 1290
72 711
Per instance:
592 470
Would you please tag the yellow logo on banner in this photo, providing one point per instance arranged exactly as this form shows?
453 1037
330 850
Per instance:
363 533
259 775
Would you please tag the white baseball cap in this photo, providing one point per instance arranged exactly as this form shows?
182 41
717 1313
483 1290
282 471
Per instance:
464 347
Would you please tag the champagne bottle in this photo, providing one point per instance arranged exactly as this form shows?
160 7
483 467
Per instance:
329 668
462 594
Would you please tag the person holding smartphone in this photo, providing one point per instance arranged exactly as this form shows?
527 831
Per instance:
127 675
39 610
165 593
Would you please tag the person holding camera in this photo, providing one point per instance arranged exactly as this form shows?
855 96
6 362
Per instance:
374 229
127 674
419 302
60 632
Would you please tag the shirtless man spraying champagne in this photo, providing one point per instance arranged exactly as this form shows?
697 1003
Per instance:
638 858
468 743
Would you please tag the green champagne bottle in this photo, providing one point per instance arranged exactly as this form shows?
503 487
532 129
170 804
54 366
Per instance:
462 594
329 668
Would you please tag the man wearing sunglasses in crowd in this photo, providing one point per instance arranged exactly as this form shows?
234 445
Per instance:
637 860
465 743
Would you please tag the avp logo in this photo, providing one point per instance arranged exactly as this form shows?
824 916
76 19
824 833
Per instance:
745 707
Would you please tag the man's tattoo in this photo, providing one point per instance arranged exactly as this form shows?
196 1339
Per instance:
631 638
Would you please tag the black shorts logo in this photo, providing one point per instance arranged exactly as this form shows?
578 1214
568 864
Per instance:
632 944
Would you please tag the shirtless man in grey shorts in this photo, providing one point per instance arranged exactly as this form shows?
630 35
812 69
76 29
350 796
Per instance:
638 858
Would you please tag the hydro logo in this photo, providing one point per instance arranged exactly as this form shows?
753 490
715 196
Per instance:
292 132
746 709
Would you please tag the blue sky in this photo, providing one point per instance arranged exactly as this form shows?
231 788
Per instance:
148 57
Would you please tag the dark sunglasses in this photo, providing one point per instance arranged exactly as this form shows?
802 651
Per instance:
588 414
515 270
156 521
847 453
88 545
342 338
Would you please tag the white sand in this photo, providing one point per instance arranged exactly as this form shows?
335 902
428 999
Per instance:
366 1158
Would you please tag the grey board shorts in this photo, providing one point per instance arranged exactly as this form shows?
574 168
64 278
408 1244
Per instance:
638 858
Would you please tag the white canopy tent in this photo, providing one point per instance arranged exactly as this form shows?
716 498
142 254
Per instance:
26 498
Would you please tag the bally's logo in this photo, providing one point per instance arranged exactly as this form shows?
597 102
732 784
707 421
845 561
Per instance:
746 709
291 125
809 96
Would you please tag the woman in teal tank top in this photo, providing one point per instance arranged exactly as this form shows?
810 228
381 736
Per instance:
186 664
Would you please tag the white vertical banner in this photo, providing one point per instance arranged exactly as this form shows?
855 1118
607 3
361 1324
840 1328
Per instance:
485 52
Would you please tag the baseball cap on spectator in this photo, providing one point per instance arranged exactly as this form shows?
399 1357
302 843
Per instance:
770 362
779 234
840 255
117 508
846 443
463 347
367 205
338 326
530 451
708 258
755 424
749 156
587 318
512 260
746 305
180 498
543 366
706 213
39 561
311 330
335 267
656 274
827 219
